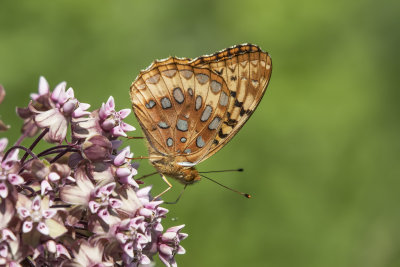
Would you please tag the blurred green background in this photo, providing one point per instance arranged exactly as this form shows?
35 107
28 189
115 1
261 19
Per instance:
321 153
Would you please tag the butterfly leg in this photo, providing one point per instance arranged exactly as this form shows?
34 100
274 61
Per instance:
166 190
135 137
180 194
147 175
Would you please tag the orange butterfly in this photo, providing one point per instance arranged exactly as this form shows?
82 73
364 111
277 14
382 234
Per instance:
189 109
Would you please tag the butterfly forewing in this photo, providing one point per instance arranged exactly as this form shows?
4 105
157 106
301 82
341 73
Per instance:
246 70
180 107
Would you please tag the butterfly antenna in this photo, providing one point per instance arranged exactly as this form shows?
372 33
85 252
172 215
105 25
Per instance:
236 170
238 192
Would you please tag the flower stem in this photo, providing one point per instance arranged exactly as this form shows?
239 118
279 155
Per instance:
27 151
24 135
44 132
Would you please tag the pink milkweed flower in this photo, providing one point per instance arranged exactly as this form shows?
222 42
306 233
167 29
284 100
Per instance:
9 167
38 214
102 200
89 254
64 107
169 245
153 214
130 235
125 170
111 120
52 253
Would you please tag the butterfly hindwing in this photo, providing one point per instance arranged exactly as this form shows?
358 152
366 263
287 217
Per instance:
246 70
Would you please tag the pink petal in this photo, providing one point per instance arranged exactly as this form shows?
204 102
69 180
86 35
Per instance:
36 203
123 113
61 250
145 212
14 264
162 211
84 106
43 86
53 176
51 246
164 249
173 262
115 203
3 190
123 172
117 131
141 239
15 179
168 236
128 249
108 124
127 127
144 260
3 252
164 259
69 106
181 250
58 91
27 226
23 212
182 236
104 215
158 227
8 235
135 222
45 187
49 213
102 112
42 228
94 206
70 93
121 157
175 228
34 96
108 189
129 180
110 105
79 113
122 238
143 192
3 144
153 204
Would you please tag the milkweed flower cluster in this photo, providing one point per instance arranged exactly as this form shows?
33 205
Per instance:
77 203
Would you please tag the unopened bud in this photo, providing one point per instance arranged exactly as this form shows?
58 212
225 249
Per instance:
97 148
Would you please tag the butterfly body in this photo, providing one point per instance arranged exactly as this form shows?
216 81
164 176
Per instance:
189 109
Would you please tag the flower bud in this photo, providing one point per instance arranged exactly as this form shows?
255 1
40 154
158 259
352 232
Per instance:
97 148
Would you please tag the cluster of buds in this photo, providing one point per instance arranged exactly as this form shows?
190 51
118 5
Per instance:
77 203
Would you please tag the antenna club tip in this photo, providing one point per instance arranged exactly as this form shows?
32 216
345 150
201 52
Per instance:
240 170
247 195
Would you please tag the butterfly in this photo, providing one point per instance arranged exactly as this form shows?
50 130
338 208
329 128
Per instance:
189 109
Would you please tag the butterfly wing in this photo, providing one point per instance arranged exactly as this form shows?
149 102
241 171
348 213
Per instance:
180 108
246 70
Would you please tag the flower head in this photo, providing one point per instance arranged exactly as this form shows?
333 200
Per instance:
77 203
111 120
169 245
